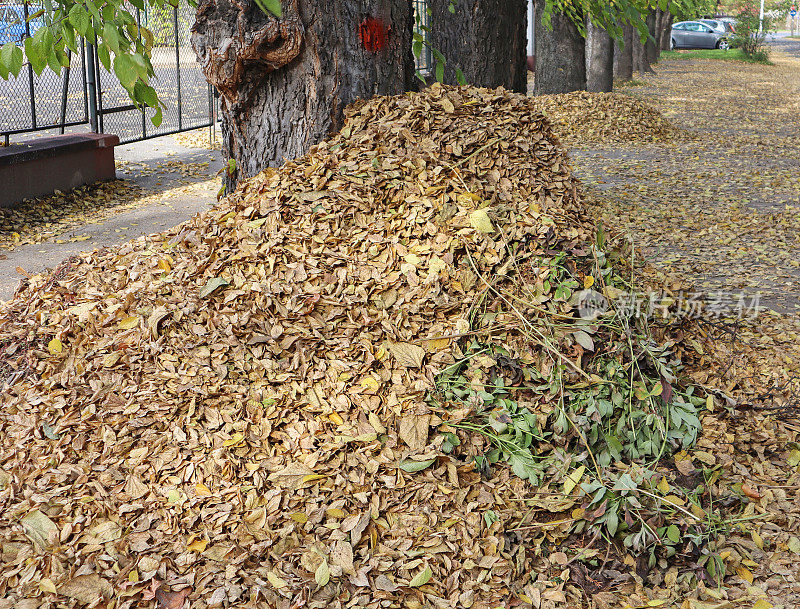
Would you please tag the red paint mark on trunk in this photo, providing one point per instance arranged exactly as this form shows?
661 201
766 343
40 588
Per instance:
373 34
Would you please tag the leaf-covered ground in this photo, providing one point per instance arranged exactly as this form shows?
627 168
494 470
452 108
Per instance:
720 211
721 208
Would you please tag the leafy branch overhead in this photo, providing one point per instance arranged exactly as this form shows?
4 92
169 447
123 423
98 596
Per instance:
123 46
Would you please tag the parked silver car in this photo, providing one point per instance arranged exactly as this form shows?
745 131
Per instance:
719 25
697 35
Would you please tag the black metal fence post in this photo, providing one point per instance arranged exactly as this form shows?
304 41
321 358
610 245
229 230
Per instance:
178 69
30 68
64 91
91 86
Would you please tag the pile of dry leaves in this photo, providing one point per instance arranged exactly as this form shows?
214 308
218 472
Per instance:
231 408
583 117
234 412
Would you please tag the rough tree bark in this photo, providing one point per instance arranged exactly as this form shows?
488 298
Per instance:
560 55
640 61
651 48
665 33
486 39
285 82
623 54
599 59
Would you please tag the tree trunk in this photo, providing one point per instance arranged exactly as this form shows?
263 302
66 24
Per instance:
560 55
599 59
623 54
666 31
285 82
640 61
486 39
650 47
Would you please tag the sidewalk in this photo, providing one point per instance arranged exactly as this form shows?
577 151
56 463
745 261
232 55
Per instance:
175 183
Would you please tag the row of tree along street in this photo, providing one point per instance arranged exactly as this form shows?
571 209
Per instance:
286 71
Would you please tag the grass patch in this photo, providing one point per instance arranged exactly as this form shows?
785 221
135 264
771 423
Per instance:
729 55
633 82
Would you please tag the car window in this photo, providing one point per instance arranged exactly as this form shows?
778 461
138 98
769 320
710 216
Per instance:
679 26
693 27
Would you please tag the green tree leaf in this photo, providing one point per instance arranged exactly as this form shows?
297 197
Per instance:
11 57
157 117
421 578
416 466
125 70
270 6
80 19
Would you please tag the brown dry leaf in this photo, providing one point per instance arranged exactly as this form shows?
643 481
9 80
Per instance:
87 589
413 431
407 354
40 530
172 600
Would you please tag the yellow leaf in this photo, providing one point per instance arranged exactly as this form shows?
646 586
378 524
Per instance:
276 581
198 545
311 478
111 359
323 574
710 403
480 221
234 439
335 513
55 347
201 490
47 585
745 574
757 540
762 603
376 423
128 323
663 485
163 265
674 500
573 479
657 602
299 517
588 282
335 418
368 382
407 355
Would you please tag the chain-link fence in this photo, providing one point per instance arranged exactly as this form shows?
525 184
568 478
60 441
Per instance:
86 95
29 102
179 81
422 21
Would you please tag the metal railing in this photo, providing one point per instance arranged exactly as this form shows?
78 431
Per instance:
86 96
424 62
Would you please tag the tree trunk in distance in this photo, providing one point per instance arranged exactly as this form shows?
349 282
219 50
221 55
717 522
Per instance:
640 62
486 39
651 48
284 83
599 59
666 31
560 55
623 54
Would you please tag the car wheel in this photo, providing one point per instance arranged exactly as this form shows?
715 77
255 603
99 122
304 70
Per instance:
672 44
723 44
